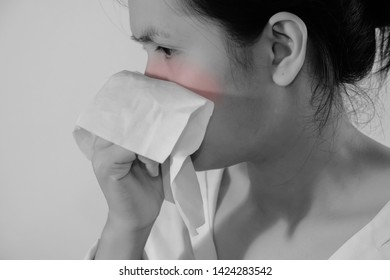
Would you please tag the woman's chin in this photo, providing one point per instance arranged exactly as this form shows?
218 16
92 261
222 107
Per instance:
205 161
202 162
199 165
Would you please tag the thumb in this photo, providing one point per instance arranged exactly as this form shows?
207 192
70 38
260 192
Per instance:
150 165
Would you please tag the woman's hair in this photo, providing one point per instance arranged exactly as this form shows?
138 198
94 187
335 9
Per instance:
345 37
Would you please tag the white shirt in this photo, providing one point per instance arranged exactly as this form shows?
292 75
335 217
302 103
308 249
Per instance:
170 239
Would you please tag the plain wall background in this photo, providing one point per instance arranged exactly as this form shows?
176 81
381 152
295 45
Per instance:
54 57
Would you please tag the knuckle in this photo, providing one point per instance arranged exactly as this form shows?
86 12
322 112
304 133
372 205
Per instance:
101 143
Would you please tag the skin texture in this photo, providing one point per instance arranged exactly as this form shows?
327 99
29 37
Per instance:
250 103
289 184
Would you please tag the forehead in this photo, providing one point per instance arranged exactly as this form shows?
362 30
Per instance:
165 20
158 16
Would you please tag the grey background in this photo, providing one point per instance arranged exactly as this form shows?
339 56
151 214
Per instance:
54 57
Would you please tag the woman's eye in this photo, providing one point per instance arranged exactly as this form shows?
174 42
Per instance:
166 51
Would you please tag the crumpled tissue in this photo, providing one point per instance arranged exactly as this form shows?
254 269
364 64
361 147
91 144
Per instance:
156 119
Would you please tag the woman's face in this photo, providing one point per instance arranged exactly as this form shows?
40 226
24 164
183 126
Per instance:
250 117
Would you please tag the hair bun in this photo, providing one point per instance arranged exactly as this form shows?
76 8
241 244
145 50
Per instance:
379 12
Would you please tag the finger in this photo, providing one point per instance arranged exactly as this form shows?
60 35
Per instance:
113 160
119 171
100 144
139 175
118 155
139 171
151 166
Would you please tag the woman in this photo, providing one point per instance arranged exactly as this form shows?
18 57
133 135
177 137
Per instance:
287 174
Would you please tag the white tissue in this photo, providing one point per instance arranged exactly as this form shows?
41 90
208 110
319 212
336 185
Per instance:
155 119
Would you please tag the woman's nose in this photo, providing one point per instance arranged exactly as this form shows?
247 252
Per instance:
156 70
194 78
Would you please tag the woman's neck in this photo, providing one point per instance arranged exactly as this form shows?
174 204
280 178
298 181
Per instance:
303 180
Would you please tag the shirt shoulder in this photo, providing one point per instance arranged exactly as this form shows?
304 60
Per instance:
372 242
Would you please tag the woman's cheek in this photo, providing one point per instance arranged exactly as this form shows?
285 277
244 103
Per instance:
204 83
188 75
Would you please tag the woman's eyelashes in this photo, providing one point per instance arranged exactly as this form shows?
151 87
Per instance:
154 49
168 53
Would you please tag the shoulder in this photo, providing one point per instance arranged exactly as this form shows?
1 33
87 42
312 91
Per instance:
374 172
368 201
375 161
371 242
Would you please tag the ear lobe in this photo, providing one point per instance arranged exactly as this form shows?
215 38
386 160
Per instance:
289 47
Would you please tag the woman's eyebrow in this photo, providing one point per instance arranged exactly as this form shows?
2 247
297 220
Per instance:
149 35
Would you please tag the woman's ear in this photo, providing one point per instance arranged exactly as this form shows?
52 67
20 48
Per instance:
289 43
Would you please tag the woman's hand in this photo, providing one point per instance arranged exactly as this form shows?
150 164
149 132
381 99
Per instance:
132 187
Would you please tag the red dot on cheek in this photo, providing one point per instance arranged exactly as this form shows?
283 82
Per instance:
191 77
